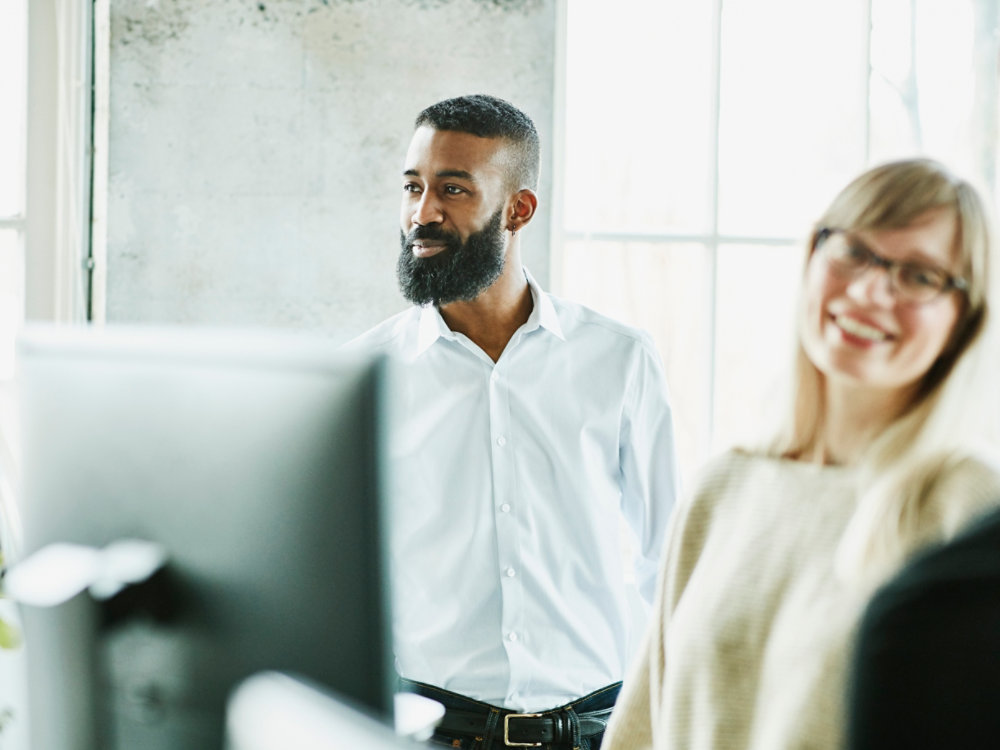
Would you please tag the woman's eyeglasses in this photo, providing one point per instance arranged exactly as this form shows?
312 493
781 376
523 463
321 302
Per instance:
911 282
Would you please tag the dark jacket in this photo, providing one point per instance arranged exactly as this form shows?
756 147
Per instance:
926 672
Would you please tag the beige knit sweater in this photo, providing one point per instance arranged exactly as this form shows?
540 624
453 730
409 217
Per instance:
749 642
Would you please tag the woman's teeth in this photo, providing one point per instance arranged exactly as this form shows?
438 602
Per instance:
859 329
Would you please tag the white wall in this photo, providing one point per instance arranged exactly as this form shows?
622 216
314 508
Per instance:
255 148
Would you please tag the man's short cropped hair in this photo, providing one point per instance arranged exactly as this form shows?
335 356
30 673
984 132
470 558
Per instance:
490 117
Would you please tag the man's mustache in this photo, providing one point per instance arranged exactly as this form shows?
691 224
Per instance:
430 233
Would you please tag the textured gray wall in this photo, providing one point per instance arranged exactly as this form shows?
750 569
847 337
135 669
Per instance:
255 148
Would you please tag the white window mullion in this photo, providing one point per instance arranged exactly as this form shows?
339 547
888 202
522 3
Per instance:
866 84
58 174
713 245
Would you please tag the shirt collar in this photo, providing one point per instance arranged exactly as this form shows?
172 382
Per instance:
543 313
431 326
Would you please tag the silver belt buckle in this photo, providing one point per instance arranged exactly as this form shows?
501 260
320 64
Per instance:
506 730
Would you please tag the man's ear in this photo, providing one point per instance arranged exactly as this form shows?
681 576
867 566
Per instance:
521 209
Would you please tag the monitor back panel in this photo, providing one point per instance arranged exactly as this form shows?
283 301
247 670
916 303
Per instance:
256 463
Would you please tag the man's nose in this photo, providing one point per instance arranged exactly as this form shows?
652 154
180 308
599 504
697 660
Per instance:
427 210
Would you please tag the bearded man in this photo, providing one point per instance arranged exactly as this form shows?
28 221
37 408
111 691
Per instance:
528 429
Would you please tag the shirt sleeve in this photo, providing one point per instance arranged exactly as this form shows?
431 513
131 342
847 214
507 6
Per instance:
631 724
640 721
650 481
637 723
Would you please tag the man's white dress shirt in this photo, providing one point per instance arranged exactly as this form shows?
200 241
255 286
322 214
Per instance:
510 482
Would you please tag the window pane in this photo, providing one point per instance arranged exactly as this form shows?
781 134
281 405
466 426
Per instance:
756 294
11 297
933 83
804 105
792 118
665 290
638 116
12 104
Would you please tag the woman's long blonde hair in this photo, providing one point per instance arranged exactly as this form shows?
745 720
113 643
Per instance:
953 414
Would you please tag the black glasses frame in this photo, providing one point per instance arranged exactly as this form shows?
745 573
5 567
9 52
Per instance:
893 268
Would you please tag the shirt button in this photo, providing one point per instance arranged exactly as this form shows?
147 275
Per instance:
510 572
505 508
512 637
501 441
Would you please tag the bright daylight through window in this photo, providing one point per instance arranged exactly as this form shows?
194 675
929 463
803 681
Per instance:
702 139
12 132
13 36
12 101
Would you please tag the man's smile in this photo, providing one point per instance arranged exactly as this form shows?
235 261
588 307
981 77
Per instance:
426 248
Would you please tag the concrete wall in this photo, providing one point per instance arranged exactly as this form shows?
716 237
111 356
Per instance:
255 148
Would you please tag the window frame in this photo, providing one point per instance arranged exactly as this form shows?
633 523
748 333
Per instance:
17 223
713 240
58 160
56 216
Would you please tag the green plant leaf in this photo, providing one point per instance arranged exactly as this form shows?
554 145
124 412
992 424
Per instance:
10 636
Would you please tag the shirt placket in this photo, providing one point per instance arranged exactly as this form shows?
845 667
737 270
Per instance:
505 507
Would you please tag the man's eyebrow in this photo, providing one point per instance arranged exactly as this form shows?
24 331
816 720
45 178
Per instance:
460 174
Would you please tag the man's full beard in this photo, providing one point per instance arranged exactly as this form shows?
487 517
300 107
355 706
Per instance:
460 272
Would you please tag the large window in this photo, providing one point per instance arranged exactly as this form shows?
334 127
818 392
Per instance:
12 102
13 45
702 139
13 76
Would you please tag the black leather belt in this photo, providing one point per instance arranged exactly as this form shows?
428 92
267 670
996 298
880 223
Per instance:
528 730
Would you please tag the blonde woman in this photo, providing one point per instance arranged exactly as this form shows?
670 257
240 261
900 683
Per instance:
770 562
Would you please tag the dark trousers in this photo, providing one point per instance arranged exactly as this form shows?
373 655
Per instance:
492 735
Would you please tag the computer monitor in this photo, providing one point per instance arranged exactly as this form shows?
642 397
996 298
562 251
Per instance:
255 460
